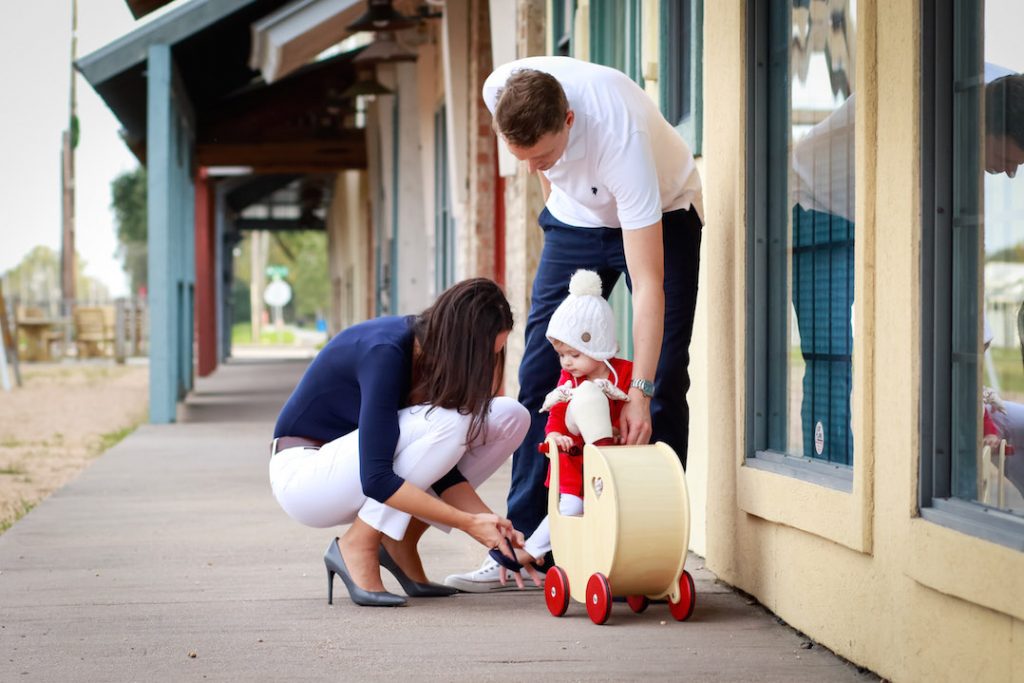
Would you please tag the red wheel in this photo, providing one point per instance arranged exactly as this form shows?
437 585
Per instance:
637 603
599 598
687 598
556 591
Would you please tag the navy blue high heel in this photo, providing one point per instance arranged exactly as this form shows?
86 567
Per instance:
414 589
510 563
336 565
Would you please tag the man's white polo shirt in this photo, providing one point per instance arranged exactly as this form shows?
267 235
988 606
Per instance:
624 165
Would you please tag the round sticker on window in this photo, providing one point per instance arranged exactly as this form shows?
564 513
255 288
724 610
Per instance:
819 438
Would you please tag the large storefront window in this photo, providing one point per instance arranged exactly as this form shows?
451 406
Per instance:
615 36
563 13
682 68
802 241
973 108
1002 230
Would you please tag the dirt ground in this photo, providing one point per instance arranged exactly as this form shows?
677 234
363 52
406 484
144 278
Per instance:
62 418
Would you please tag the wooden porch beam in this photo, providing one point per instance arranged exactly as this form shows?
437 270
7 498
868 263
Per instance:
313 156
278 224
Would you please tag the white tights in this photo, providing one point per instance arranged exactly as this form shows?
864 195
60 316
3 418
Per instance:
322 488
539 543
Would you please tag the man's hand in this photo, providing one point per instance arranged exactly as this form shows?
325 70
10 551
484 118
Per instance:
645 258
635 420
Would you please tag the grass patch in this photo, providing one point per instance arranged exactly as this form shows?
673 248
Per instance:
11 442
111 439
13 470
1009 369
22 508
241 333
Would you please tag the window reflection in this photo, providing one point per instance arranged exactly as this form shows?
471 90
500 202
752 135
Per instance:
999 466
819 266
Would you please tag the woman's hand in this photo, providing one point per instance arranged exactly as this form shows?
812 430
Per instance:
489 530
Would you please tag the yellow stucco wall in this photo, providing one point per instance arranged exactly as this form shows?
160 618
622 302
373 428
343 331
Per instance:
858 572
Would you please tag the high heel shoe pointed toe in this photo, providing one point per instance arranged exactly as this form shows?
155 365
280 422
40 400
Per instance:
336 565
414 589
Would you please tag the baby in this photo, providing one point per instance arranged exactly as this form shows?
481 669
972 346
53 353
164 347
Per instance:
585 404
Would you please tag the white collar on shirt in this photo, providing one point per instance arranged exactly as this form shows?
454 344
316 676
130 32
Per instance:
577 147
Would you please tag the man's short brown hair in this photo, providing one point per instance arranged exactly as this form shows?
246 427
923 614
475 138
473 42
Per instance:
1004 108
531 105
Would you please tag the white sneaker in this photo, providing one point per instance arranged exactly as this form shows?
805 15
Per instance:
486 579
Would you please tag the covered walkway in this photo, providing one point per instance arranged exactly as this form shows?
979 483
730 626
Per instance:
168 559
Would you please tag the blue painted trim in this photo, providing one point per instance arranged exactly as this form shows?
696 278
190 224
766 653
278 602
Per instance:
615 35
378 215
162 286
171 236
443 239
135 47
188 277
395 139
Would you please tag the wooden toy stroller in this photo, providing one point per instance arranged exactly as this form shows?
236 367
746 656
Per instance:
632 538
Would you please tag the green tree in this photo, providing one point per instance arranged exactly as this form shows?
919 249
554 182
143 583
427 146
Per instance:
36 279
1013 253
128 200
305 255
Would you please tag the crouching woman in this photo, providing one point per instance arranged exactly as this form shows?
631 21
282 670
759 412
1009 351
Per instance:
392 428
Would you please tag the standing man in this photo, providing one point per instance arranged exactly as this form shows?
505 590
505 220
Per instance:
622 196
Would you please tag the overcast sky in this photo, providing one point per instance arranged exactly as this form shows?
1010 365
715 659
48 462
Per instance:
35 49
34 72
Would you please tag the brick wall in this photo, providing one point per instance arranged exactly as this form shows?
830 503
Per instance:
480 238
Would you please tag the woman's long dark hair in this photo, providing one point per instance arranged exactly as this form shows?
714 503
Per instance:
457 367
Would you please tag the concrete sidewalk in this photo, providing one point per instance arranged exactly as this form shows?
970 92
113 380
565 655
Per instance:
169 560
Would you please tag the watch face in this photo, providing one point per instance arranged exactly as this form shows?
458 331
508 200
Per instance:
644 386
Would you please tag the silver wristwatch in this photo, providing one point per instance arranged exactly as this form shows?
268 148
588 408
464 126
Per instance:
644 385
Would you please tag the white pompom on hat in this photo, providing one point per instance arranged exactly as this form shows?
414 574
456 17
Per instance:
585 321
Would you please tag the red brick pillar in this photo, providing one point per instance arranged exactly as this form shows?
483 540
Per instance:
206 276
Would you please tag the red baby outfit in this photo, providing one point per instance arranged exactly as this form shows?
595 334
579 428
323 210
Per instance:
570 467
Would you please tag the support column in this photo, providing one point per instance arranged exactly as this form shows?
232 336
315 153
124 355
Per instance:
170 222
455 29
206 276
481 228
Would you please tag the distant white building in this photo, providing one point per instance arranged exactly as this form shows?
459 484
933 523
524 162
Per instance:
1004 295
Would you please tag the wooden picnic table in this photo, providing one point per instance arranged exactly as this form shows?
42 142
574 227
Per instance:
38 334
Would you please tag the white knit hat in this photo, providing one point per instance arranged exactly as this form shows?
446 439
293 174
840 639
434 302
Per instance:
585 320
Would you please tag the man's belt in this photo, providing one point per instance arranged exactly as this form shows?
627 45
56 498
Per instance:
283 442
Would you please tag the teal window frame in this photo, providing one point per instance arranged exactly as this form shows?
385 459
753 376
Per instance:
444 237
951 242
615 36
768 303
681 66
616 33
562 27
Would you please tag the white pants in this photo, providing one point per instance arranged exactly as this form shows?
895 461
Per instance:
539 543
322 488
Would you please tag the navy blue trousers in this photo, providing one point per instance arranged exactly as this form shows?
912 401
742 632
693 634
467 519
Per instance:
567 249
